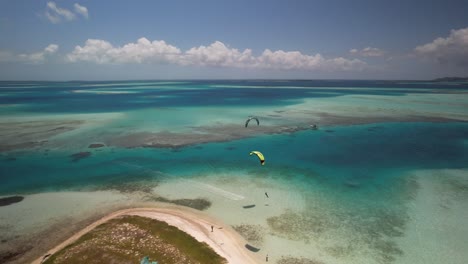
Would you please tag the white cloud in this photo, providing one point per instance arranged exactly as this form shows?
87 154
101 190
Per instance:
368 52
216 55
289 60
341 63
82 10
143 51
450 50
52 48
52 18
38 57
55 14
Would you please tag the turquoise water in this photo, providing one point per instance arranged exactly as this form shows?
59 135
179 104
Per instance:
359 170
358 155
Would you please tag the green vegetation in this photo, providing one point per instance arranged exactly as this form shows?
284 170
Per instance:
128 239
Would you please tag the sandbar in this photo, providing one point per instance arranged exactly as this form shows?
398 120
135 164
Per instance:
224 240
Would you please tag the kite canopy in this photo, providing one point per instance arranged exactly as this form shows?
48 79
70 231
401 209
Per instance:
250 118
259 155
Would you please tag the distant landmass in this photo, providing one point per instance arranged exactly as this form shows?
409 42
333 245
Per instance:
451 79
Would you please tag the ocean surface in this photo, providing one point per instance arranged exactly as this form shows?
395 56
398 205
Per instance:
384 178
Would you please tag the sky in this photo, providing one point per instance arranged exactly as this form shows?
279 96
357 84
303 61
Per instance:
233 39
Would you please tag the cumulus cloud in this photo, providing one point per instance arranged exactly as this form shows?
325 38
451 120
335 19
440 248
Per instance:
279 60
341 63
57 14
216 54
82 10
450 50
143 51
38 57
368 52
52 48
287 60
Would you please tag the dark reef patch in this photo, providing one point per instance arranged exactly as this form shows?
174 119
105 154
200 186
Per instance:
293 260
96 145
298 226
198 203
375 128
373 233
10 200
10 255
130 187
253 233
80 155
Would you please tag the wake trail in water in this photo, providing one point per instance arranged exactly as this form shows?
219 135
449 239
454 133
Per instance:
215 190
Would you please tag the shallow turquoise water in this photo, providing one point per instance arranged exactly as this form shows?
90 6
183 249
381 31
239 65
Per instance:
366 157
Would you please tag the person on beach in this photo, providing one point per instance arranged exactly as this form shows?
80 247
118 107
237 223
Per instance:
266 259
211 228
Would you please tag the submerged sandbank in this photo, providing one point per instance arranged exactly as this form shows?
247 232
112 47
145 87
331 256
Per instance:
177 126
436 231
53 134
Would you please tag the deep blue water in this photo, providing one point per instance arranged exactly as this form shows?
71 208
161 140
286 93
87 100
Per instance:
58 97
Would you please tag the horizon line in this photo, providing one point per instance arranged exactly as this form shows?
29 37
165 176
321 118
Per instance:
230 79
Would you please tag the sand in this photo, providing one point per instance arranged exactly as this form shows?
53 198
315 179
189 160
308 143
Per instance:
438 216
52 217
224 240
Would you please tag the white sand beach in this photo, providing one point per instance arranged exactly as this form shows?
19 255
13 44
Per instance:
224 240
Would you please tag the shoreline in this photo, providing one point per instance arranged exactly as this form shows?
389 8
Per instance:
224 240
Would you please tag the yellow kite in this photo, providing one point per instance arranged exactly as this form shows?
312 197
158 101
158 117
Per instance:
259 155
